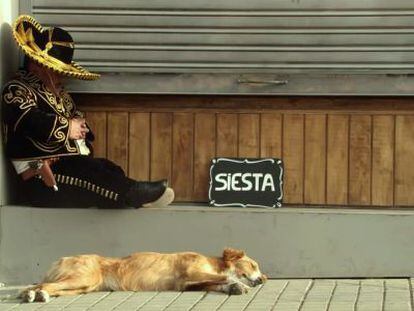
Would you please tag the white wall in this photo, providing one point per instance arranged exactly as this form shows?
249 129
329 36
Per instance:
8 65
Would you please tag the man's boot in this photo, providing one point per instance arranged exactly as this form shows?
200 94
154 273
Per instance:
149 194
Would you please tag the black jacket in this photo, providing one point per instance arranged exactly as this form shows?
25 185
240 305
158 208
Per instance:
35 121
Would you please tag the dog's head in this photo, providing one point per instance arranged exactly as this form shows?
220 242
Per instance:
243 267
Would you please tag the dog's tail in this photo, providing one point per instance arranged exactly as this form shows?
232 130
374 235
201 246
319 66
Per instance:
12 294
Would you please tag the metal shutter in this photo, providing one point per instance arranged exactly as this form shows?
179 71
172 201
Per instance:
239 46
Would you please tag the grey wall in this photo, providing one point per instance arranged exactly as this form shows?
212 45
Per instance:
287 242
310 43
8 65
237 36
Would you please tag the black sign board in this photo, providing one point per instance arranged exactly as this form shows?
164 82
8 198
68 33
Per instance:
246 182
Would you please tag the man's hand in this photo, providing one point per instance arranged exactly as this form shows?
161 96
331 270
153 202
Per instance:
78 128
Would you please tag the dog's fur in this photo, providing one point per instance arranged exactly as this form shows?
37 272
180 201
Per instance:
233 273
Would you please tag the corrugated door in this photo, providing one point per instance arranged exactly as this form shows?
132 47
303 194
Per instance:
266 40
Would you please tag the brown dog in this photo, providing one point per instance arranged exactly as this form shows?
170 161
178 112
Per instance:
233 273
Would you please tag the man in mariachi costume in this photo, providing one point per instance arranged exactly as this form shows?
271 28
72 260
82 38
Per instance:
47 138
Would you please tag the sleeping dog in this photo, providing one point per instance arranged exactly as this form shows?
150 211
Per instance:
234 273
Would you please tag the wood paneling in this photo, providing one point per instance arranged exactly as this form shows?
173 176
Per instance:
360 160
293 147
118 139
161 146
271 135
139 145
404 168
353 152
227 133
97 122
246 104
204 151
182 164
383 160
315 159
249 135
337 159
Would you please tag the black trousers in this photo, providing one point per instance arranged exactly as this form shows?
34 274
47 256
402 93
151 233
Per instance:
83 182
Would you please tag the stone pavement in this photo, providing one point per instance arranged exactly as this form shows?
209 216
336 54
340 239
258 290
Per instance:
284 295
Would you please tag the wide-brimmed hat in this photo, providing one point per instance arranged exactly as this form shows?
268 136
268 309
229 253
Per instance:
52 47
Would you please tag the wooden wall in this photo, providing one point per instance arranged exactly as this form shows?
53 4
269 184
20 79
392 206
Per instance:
336 151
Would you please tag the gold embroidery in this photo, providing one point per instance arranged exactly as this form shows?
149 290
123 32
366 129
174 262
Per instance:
62 105
27 42
18 93
46 148
25 92
67 103
54 126
70 148
58 132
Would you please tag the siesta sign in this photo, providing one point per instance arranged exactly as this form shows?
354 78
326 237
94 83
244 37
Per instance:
246 182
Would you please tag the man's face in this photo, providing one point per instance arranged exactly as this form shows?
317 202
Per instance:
56 79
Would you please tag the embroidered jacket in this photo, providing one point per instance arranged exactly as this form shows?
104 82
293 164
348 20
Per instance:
36 122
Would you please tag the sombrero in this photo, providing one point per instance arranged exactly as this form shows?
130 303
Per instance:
52 48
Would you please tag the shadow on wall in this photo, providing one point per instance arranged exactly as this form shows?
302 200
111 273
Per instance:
9 62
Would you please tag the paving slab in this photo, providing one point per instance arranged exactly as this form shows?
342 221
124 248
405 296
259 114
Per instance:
391 294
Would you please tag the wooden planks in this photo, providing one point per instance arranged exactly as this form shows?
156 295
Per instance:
249 136
404 168
139 145
204 151
118 139
182 165
383 160
315 159
227 133
360 160
293 144
271 135
161 146
337 159
97 122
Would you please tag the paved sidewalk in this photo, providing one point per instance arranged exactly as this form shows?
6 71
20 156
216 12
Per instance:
284 295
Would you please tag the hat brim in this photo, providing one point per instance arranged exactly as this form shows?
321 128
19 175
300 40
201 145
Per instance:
72 70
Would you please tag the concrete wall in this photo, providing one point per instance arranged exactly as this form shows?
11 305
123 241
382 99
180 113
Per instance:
287 242
8 65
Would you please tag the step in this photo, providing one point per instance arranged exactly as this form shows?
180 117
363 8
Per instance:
287 242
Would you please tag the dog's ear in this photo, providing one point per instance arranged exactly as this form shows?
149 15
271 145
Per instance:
231 254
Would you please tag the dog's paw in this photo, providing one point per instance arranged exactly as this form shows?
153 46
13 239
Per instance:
237 289
29 296
42 296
